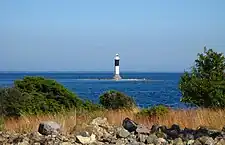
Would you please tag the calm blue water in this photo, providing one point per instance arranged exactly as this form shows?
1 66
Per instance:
162 89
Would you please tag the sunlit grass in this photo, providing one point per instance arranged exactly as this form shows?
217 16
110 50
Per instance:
74 121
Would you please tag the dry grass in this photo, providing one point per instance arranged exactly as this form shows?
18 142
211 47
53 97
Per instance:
71 121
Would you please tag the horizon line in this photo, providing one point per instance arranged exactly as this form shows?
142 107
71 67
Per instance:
61 71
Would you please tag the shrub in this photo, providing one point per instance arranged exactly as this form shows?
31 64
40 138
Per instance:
116 100
89 106
1 123
158 110
35 95
12 102
52 90
204 86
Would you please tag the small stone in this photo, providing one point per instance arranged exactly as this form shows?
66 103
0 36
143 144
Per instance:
120 142
187 137
151 139
172 133
161 141
223 129
86 139
175 127
129 125
197 142
48 128
210 141
142 137
66 143
161 135
221 142
142 129
178 141
24 143
190 142
123 133
206 140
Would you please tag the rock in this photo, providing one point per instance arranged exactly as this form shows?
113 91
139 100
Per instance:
190 142
161 135
66 143
154 128
174 131
161 141
210 141
151 139
175 127
158 128
142 137
187 130
129 125
223 129
221 142
123 133
101 122
186 136
120 142
142 129
48 128
178 141
23 143
100 127
214 133
172 134
206 140
85 139
197 142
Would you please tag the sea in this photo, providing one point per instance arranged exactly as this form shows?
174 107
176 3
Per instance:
155 89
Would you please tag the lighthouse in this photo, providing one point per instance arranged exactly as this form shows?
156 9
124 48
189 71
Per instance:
117 67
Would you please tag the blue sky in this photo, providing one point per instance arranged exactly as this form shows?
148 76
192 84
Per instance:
84 35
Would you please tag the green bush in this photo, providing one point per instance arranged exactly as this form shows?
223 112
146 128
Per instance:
204 86
116 100
52 90
1 123
12 102
89 106
158 110
35 95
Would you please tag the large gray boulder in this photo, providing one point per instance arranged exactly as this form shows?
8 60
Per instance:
49 128
129 125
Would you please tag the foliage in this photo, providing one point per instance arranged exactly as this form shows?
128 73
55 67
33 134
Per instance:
204 86
89 106
51 89
1 123
116 100
158 110
35 95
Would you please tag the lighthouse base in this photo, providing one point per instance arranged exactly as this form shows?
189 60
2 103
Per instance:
117 77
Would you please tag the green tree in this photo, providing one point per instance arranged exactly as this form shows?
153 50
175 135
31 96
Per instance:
204 85
116 100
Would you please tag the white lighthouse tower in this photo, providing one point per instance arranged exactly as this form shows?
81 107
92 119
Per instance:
117 68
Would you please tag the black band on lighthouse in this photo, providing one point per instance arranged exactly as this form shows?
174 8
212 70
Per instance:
116 62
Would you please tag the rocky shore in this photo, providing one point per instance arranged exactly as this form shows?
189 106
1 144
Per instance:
100 132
